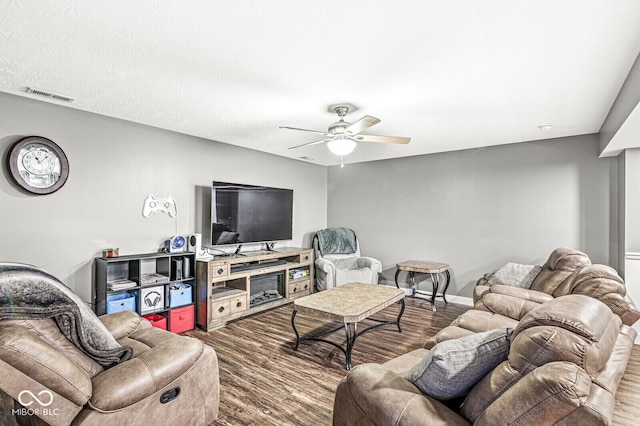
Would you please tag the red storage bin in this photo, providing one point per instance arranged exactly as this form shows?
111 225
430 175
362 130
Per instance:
157 321
181 319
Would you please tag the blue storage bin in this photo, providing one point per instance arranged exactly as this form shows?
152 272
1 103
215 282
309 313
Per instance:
180 295
121 302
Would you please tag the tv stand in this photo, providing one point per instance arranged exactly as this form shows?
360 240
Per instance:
224 286
257 265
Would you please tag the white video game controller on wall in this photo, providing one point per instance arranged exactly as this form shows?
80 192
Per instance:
165 205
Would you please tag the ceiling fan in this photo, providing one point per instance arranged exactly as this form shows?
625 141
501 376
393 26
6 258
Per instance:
341 136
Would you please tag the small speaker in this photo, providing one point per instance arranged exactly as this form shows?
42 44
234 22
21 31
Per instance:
178 266
186 268
194 242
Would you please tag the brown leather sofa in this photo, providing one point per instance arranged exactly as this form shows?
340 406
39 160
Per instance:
566 358
170 379
567 271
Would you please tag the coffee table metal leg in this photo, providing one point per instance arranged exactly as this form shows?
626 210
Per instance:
293 324
351 331
318 338
400 315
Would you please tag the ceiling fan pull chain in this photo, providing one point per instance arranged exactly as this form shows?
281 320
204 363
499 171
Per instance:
342 161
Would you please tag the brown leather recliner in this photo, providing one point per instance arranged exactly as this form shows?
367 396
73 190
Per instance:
567 271
566 359
170 379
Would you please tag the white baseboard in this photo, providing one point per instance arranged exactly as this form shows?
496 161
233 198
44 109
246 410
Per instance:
461 300
407 291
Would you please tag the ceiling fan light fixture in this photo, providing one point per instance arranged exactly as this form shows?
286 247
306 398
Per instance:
341 146
341 137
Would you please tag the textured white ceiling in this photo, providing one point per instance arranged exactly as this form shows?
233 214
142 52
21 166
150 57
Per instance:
450 74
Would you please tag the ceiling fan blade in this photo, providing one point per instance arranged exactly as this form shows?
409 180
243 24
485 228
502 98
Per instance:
305 130
385 139
310 143
361 125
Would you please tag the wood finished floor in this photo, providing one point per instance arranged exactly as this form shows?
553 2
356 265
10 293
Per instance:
265 382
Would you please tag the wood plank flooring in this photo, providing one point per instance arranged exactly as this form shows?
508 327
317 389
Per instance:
627 409
265 382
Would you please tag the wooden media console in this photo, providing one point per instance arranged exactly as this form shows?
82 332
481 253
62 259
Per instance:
231 287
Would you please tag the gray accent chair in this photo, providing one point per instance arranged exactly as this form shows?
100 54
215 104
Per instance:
334 269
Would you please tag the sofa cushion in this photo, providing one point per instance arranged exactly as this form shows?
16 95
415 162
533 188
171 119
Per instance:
573 329
160 359
595 281
403 363
472 321
561 264
601 282
551 394
346 262
515 274
353 275
452 367
371 394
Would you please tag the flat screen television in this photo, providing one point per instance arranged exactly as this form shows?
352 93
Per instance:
243 213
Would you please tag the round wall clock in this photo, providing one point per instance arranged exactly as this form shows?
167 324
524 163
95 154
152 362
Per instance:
38 165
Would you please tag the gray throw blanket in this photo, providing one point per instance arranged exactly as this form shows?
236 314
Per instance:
336 241
30 293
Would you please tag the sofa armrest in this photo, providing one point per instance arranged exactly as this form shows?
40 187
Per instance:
133 380
505 305
32 356
485 279
326 266
122 324
372 394
630 315
370 262
374 264
479 291
511 302
325 274
522 293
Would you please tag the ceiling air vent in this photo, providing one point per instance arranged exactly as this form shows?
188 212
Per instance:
50 95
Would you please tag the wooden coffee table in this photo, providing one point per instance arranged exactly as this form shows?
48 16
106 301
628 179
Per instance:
349 304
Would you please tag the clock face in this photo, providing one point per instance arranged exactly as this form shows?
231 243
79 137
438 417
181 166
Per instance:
38 165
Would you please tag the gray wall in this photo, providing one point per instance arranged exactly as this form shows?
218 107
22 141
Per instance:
474 209
478 209
114 165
